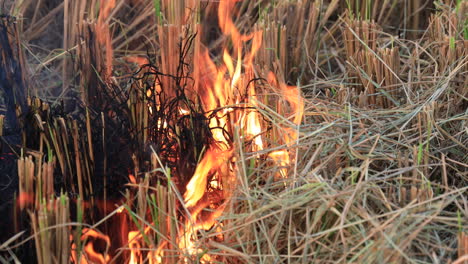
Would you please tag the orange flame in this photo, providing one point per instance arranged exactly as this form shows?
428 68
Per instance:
196 187
281 157
221 88
218 91
91 256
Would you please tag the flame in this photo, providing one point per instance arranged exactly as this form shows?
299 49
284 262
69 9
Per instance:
134 245
292 94
90 255
281 157
219 87
132 179
227 24
196 187
229 97
217 91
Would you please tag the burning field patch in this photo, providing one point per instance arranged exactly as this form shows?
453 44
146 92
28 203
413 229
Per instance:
233 132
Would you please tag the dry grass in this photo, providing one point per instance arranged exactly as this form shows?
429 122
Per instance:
378 170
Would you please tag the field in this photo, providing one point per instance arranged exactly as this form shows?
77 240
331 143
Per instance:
159 131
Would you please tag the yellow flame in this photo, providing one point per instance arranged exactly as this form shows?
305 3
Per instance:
196 187
134 245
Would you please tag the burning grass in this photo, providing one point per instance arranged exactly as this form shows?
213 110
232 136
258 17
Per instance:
234 132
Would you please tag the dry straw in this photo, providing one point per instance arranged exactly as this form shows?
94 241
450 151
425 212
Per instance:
377 163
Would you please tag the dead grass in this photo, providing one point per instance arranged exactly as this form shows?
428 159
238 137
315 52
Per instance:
379 164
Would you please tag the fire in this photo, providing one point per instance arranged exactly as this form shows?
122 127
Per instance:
91 256
229 96
222 86
213 159
135 255
220 91
281 157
